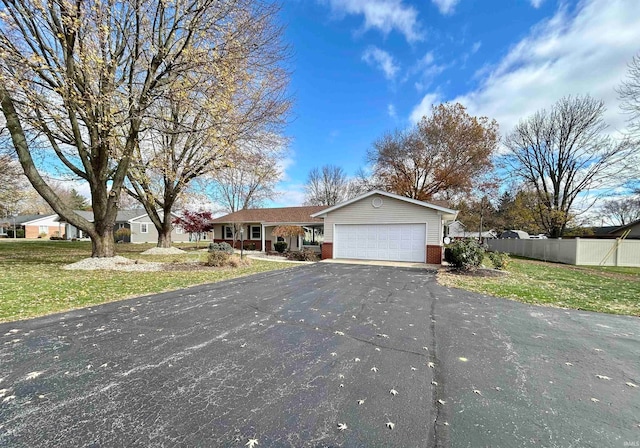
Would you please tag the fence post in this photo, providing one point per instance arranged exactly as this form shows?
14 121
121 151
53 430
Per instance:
577 251
618 246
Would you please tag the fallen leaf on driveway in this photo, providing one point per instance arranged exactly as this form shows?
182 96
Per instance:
476 391
595 400
342 426
33 375
393 392
431 365
251 443
361 401
630 384
374 369
603 377
341 333
390 425
441 401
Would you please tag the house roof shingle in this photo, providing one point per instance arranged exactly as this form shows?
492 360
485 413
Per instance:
273 215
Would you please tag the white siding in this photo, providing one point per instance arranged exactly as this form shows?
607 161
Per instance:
392 211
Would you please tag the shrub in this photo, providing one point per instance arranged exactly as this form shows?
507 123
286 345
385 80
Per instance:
305 255
221 259
122 234
249 246
499 260
221 247
280 246
217 258
466 254
42 235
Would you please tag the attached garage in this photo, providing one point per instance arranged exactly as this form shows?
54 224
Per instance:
384 226
392 242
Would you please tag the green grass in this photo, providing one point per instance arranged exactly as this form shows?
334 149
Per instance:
604 289
33 284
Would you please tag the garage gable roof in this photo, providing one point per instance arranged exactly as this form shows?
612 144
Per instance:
389 195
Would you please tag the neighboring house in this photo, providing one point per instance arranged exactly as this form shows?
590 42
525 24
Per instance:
143 230
257 226
514 234
458 230
374 226
136 220
618 231
37 226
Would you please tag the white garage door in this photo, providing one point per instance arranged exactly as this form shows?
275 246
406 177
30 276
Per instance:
394 242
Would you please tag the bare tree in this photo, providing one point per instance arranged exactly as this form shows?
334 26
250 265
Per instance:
239 102
562 153
78 77
620 212
443 155
329 186
629 94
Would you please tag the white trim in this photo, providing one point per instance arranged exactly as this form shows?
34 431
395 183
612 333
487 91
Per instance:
146 226
389 195
251 227
262 239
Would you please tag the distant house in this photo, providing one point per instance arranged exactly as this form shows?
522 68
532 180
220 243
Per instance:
458 230
52 225
33 226
514 234
633 229
137 221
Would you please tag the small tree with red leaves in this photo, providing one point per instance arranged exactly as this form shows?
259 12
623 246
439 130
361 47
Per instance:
196 223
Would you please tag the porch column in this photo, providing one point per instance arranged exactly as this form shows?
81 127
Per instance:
262 248
300 242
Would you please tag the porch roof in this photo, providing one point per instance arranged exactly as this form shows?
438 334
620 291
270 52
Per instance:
282 215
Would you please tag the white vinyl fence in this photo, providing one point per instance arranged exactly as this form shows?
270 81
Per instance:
593 252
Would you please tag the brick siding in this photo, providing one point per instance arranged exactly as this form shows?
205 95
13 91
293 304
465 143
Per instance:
327 250
434 254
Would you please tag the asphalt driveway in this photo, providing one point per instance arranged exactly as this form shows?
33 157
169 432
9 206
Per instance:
283 358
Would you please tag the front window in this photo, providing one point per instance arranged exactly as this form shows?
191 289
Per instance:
44 229
255 232
144 228
228 233
179 230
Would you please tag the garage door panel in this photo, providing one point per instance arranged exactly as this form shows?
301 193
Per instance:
393 242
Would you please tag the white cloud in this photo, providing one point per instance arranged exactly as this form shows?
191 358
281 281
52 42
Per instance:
536 3
476 46
584 52
391 110
289 195
447 7
424 108
384 15
382 60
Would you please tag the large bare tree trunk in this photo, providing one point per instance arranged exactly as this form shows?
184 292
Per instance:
103 245
164 237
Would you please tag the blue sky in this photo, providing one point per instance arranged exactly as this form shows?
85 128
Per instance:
364 67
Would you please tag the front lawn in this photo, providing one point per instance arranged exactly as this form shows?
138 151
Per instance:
604 289
33 284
